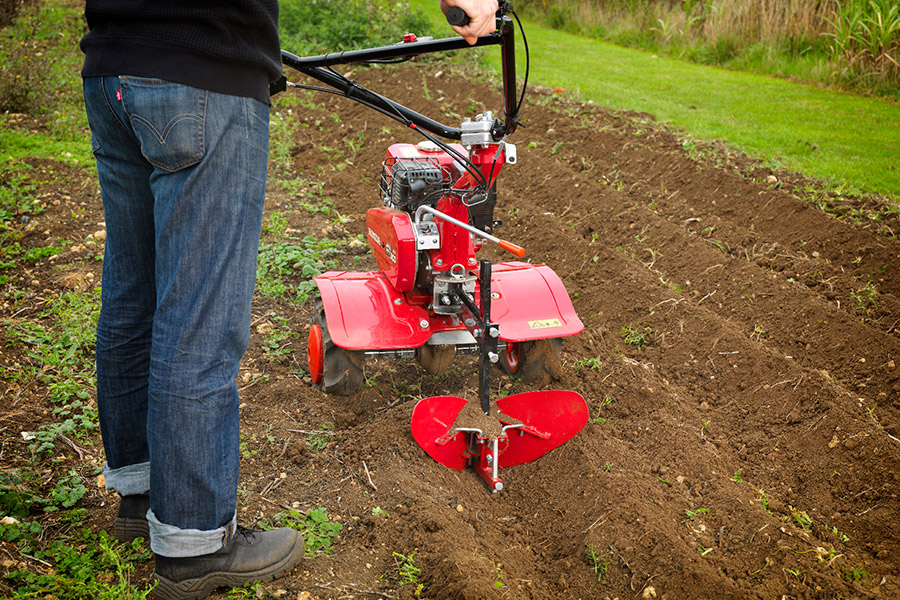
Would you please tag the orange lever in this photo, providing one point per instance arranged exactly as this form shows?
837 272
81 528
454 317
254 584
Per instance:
510 247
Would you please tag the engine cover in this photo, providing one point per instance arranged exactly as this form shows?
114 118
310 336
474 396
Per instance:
390 235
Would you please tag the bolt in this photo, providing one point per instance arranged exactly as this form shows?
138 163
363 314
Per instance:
494 332
493 357
495 295
439 262
424 323
445 299
469 322
471 261
398 301
489 459
498 486
476 333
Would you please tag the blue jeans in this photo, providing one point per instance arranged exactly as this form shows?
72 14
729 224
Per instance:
183 174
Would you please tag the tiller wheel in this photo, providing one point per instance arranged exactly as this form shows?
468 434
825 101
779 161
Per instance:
532 423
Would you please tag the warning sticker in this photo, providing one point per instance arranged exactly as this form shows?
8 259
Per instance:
545 323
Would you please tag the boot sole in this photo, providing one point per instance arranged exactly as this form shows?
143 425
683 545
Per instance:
127 530
201 587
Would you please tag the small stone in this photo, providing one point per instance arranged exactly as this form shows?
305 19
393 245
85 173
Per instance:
649 592
772 179
459 508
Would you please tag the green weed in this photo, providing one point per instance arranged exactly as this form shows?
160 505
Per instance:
83 565
592 363
599 562
17 192
865 297
317 443
636 336
318 530
406 567
301 261
693 514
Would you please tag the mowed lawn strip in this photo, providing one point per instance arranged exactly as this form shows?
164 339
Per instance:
843 137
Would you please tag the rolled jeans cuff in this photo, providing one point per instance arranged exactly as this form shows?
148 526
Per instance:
128 481
174 542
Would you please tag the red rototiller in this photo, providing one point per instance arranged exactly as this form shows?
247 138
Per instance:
431 299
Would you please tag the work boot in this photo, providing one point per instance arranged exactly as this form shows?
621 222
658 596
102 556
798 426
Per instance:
246 557
131 522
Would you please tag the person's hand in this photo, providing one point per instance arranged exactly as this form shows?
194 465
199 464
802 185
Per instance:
481 17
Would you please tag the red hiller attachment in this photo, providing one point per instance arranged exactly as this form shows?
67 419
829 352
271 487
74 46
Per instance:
533 423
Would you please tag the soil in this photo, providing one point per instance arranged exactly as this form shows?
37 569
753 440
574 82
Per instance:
749 450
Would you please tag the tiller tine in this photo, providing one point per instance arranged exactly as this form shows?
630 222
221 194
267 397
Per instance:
534 423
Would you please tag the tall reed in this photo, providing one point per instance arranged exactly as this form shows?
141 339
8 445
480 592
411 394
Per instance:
859 39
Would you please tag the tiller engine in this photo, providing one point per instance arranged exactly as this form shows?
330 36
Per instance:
431 299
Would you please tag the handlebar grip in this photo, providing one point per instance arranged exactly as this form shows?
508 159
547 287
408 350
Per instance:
457 17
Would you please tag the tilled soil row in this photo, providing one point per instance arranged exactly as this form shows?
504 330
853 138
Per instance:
736 455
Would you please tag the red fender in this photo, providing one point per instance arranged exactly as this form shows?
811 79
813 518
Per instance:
364 311
531 303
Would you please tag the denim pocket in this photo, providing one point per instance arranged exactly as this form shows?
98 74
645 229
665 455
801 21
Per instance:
168 120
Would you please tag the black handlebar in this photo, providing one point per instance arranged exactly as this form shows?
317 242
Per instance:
318 67
457 17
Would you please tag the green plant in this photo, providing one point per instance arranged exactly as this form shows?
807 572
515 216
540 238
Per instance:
693 514
406 567
278 338
251 590
498 576
83 565
865 297
319 532
379 512
599 562
636 336
17 192
803 520
319 440
301 261
736 477
592 363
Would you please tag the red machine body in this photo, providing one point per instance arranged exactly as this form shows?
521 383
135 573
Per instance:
390 235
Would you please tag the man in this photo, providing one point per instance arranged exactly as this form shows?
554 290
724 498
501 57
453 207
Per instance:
177 97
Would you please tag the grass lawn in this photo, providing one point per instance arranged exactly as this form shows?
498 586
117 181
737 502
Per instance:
849 139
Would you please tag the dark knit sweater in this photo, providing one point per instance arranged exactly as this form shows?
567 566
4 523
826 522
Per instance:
230 46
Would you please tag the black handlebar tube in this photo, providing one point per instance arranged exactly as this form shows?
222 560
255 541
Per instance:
317 68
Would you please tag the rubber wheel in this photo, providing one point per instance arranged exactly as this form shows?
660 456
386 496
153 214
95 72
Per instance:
536 361
332 368
436 358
